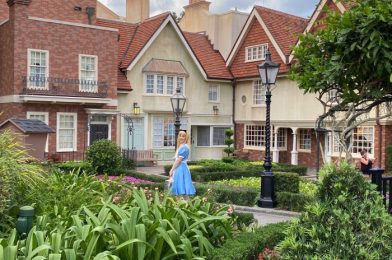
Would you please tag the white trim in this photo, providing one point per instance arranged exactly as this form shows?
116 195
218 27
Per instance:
3 22
155 85
96 71
46 116
245 32
72 24
217 101
247 48
169 19
64 99
10 99
313 19
74 148
29 64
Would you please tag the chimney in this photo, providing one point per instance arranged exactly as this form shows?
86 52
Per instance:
195 1
137 10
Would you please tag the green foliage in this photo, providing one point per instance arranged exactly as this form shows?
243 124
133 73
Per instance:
143 176
70 166
141 228
243 218
248 245
293 201
229 141
105 156
348 221
389 157
17 176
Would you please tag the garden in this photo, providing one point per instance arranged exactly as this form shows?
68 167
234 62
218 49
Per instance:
103 209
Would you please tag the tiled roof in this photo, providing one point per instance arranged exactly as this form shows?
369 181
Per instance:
285 28
144 31
29 126
126 32
165 67
211 60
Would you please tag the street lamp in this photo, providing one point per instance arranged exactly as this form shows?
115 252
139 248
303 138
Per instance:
268 72
130 126
178 103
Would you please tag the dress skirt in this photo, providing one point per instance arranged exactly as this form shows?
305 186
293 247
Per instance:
182 181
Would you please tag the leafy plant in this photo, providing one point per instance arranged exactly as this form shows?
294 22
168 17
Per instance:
17 177
104 156
348 221
229 141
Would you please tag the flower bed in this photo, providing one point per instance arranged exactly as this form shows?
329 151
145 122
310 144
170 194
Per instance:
127 179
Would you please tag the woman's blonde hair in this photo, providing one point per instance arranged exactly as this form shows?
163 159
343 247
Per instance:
186 138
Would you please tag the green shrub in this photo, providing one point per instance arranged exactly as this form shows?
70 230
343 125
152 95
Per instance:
280 167
104 156
243 218
83 167
248 245
348 221
229 141
293 201
285 181
17 176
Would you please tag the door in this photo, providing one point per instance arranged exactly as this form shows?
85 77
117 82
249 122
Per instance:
98 132
133 134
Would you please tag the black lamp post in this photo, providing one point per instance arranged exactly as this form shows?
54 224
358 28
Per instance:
130 126
268 72
178 103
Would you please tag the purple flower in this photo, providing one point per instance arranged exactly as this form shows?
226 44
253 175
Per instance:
127 179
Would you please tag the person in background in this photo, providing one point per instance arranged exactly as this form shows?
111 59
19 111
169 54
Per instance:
179 174
366 162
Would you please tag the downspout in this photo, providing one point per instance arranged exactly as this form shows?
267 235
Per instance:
379 135
234 84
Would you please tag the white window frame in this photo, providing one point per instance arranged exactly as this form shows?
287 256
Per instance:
46 121
300 137
217 90
213 139
255 97
74 148
95 89
335 144
256 52
283 131
29 83
262 137
166 84
165 89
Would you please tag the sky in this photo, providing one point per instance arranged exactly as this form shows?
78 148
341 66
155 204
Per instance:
303 8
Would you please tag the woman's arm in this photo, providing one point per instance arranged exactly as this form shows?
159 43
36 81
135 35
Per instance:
364 161
175 164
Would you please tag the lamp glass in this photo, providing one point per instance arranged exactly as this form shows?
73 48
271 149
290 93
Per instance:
178 102
268 70
136 109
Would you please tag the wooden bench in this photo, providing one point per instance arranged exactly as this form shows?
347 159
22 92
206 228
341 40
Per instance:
141 157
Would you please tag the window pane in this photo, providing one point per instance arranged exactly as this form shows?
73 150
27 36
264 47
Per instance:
150 84
88 74
219 135
305 139
169 89
258 92
159 84
213 93
66 132
255 135
203 136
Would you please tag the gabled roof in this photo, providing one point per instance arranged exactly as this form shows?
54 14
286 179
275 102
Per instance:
281 28
212 61
136 38
126 32
29 126
340 5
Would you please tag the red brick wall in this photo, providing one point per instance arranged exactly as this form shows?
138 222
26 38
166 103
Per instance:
3 10
255 36
320 22
6 60
18 110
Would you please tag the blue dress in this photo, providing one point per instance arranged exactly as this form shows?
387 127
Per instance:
182 181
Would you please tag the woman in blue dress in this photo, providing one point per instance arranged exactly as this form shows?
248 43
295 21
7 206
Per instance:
180 175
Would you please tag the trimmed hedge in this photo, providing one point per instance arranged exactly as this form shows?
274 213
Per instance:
248 245
293 201
70 166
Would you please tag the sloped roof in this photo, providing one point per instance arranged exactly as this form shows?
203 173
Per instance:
126 32
29 126
285 28
166 67
211 60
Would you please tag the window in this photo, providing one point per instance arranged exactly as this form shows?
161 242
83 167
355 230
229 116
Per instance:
44 117
281 138
363 139
38 69
213 93
203 136
163 84
305 139
169 87
332 96
88 73
255 135
159 84
258 92
218 135
66 132
255 53
163 131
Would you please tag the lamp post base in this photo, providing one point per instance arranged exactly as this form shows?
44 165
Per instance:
267 198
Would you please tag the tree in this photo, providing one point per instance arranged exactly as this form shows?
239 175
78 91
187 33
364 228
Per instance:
229 141
348 65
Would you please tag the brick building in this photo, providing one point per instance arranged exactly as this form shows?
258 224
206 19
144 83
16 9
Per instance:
59 66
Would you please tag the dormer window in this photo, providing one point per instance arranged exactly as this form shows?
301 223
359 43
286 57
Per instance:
256 52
